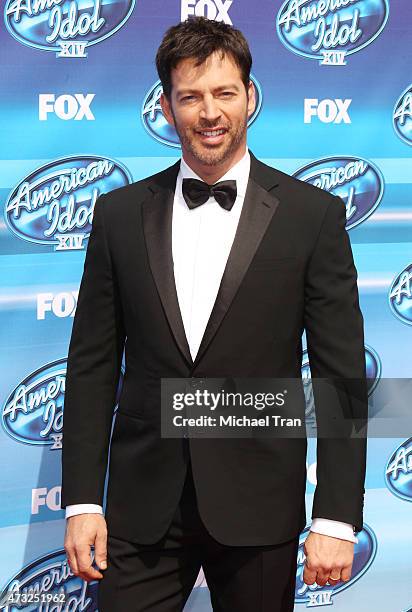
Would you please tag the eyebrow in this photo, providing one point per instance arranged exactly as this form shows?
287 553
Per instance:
189 90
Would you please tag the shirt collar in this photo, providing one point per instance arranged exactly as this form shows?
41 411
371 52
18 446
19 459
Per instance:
239 172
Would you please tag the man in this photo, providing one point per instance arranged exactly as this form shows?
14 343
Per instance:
209 282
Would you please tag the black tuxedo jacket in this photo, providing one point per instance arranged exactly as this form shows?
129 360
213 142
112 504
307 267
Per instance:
290 268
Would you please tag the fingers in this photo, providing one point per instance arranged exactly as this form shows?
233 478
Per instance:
346 573
80 563
315 572
84 564
323 574
309 573
100 550
71 559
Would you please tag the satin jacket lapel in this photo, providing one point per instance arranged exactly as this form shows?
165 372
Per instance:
258 209
157 225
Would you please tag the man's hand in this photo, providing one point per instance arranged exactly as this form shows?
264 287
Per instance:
82 532
327 559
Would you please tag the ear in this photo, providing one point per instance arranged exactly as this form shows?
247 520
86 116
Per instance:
166 108
251 104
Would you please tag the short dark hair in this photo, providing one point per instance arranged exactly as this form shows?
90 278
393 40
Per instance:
199 38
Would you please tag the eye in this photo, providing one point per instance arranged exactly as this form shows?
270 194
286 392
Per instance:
187 99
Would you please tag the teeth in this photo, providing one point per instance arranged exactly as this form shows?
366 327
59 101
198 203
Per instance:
213 133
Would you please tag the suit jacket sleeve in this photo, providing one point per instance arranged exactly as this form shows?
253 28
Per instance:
93 369
335 341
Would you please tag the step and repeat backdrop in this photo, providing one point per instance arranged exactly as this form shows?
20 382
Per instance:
80 116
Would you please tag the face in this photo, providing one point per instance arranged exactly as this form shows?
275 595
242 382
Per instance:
209 109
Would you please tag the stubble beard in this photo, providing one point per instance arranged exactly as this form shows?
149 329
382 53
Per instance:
215 155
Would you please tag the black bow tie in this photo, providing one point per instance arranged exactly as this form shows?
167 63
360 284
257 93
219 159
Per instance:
197 192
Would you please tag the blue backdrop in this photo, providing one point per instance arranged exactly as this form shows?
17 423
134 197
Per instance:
80 116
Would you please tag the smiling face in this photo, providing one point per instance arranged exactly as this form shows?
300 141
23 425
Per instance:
209 109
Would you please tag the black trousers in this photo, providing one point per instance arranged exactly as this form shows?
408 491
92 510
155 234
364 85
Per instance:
159 577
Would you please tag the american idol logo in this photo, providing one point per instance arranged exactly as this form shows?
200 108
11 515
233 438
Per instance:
49 584
402 116
357 181
329 30
54 204
67 27
155 122
33 412
400 295
398 471
313 594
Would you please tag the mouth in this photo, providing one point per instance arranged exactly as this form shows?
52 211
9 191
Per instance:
212 135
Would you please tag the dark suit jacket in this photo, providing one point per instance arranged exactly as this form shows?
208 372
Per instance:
290 268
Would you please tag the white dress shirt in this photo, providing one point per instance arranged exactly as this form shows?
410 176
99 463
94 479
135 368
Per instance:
201 241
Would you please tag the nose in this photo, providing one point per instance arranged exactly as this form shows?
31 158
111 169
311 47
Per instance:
210 110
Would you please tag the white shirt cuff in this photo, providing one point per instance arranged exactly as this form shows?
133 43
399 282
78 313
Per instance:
336 529
83 509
